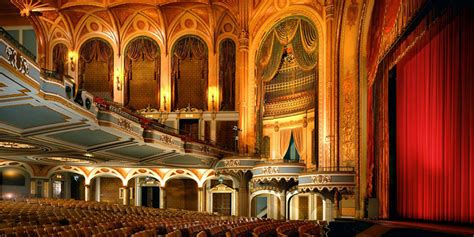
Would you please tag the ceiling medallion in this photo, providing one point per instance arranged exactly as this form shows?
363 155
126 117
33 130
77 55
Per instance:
16 145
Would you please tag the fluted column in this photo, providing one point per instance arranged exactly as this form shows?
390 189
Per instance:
330 153
243 89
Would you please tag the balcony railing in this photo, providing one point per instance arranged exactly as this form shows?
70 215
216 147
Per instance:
5 35
330 169
281 161
154 124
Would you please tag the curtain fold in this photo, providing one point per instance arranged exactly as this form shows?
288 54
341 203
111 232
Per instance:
99 51
141 49
298 136
285 137
435 123
60 60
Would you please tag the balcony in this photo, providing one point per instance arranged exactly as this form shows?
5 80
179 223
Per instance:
327 178
277 170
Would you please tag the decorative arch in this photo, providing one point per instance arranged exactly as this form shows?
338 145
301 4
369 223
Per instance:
189 73
143 172
65 168
227 74
187 21
142 73
100 171
20 165
139 24
94 55
180 173
59 59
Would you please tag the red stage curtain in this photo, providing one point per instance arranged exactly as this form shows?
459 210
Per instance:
435 123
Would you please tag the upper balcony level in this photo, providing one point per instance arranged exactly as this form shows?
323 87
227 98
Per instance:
42 110
268 170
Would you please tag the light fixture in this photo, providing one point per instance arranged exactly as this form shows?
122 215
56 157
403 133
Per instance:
118 75
88 155
212 101
72 60
164 102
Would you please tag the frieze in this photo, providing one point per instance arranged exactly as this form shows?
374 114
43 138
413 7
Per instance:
166 139
231 163
321 179
270 170
17 61
125 124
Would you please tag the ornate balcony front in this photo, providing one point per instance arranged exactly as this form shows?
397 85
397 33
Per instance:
233 165
329 178
277 170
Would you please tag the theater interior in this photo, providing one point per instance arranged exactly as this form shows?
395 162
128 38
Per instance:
236 118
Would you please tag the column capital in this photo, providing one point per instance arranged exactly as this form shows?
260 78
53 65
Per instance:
244 40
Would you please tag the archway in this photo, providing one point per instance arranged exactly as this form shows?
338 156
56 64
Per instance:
67 185
14 183
287 76
109 189
181 193
96 63
189 73
265 204
60 52
142 74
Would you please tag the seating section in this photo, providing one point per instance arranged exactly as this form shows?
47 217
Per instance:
58 218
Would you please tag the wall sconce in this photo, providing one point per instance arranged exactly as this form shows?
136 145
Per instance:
118 81
72 60
212 101
164 103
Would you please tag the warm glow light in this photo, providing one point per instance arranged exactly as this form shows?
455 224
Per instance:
72 55
166 98
118 78
8 195
213 97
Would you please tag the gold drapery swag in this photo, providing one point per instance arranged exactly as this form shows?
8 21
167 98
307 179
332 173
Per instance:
96 51
141 49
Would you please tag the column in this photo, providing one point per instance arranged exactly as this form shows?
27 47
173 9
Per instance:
138 192
335 211
165 81
87 191
327 209
201 199
162 198
126 195
283 208
32 188
243 194
97 189
330 98
46 188
242 76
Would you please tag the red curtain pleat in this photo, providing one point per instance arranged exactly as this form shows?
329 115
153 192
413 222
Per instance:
435 123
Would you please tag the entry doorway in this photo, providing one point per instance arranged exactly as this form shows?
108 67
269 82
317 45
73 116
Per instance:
150 197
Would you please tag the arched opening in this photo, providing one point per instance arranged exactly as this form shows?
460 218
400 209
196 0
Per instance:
287 79
96 63
108 189
189 73
306 206
227 75
182 193
221 196
265 205
60 52
67 185
142 74
148 191
14 183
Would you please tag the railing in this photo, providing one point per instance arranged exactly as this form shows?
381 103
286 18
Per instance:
279 161
154 124
330 169
5 35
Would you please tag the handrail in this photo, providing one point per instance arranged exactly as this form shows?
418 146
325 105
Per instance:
4 34
149 123
331 169
279 161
